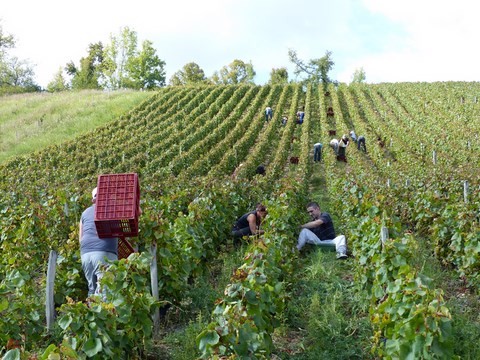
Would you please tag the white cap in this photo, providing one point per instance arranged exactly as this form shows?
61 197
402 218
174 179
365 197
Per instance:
94 193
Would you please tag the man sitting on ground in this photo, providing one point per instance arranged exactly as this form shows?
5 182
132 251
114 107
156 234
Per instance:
320 231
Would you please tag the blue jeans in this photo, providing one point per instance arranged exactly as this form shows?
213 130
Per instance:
92 267
268 114
317 152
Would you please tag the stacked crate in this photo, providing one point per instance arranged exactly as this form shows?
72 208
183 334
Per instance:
117 209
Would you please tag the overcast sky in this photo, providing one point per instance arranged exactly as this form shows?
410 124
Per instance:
394 41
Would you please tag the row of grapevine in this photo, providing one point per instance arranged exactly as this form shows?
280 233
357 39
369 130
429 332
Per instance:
245 318
408 316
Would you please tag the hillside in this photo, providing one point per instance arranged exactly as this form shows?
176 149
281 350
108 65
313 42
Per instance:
31 122
418 181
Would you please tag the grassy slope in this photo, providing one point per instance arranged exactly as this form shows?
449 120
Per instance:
30 122
325 317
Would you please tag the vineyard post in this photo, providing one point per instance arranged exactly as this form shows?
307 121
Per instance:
434 157
388 183
407 182
465 191
154 281
49 302
384 234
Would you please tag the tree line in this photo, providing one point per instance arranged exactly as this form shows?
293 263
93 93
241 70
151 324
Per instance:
123 63
15 75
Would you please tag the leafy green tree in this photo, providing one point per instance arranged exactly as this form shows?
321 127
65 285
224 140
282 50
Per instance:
315 70
125 67
278 76
359 76
236 72
15 75
146 70
6 42
117 54
88 75
58 83
190 74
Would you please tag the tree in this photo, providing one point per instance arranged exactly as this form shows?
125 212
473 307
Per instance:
117 54
15 75
6 42
278 76
125 67
190 74
89 73
235 73
315 70
359 76
58 83
146 70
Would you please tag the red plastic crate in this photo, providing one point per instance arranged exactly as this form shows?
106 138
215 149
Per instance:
124 249
118 205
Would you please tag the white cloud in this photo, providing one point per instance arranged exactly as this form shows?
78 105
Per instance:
440 43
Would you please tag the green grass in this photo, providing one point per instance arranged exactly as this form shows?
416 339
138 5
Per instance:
326 317
181 326
31 122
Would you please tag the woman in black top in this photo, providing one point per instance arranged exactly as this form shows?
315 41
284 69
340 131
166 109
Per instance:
249 223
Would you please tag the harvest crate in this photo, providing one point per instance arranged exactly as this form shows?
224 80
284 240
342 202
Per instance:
124 249
117 205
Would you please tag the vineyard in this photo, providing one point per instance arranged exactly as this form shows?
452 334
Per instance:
416 187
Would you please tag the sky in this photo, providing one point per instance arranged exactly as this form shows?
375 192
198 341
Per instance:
392 41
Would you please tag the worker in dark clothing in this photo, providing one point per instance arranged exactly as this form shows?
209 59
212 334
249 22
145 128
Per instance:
249 224
361 143
342 148
260 170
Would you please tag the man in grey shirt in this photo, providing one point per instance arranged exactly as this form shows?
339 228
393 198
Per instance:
93 250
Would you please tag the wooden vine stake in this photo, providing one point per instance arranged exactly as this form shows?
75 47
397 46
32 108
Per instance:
434 157
49 302
154 281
